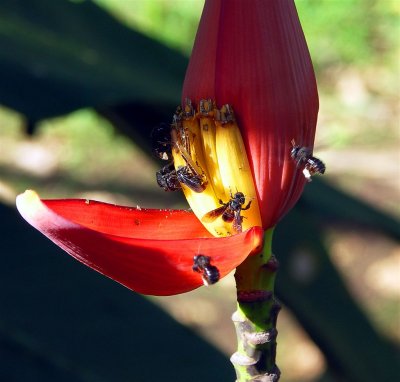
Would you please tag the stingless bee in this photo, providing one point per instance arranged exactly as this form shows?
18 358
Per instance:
191 178
202 264
191 174
167 178
161 141
303 156
230 211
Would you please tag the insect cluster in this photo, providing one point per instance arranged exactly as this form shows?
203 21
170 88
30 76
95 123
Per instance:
206 159
166 138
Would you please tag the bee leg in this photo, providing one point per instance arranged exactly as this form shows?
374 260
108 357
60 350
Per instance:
196 268
307 174
247 207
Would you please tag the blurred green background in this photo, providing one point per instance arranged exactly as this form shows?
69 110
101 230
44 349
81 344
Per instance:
81 85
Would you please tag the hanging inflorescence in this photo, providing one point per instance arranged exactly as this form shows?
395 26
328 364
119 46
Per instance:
208 161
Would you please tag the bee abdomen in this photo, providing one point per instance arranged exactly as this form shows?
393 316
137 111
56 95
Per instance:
316 165
211 274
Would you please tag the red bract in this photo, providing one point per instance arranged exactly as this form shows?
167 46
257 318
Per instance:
253 55
149 251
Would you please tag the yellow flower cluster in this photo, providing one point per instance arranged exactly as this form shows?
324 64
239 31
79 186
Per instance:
210 156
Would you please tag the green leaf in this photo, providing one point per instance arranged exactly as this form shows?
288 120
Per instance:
312 288
59 322
58 56
330 205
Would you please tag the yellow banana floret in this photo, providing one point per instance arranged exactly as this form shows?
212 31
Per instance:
207 125
187 150
234 166
208 149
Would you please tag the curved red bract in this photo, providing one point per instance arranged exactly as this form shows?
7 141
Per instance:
148 251
253 55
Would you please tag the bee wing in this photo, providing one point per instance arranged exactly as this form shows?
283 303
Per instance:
305 152
209 217
194 167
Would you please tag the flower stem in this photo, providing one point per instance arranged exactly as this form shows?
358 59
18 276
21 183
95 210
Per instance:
255 317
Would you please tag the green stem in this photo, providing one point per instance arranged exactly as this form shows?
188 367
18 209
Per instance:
255 317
